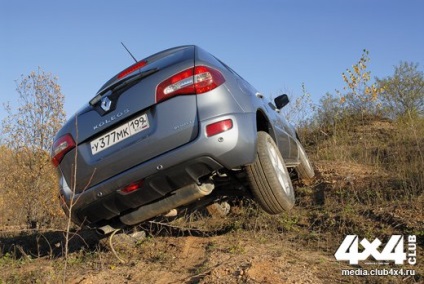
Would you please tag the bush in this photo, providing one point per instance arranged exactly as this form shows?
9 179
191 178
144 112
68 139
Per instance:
29 181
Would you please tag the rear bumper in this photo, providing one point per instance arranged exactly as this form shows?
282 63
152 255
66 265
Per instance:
167 172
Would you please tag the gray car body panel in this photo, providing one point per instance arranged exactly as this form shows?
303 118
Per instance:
175 150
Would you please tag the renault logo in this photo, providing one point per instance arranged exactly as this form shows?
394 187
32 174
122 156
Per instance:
106 104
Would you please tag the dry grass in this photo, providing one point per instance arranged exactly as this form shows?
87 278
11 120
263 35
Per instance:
369 183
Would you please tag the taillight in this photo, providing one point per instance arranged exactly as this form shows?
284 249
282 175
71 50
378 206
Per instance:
131 187
60 147
206 79
132 69
197 80
179 84
218 127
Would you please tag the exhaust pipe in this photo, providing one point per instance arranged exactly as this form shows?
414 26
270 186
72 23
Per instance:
180 197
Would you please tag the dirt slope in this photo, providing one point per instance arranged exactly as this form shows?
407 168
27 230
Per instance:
247 248
349 196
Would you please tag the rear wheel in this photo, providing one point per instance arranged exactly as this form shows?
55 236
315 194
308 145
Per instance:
268 177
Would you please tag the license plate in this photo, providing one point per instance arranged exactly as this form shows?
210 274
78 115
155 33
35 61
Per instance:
119 134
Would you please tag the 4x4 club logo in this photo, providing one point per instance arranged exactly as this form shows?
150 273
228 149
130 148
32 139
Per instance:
394 250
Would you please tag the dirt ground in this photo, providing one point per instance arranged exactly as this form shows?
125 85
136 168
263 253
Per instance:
229 258
243 247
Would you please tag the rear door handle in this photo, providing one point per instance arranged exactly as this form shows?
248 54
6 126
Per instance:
259 95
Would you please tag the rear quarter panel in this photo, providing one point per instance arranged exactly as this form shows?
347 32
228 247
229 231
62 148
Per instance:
238 95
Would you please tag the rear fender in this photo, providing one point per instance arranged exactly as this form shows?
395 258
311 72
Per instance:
278 134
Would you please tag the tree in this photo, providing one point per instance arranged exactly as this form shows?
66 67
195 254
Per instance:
299 110
28 132
330 110
359 96
403 93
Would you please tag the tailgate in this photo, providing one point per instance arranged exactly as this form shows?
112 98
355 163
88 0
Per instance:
134 130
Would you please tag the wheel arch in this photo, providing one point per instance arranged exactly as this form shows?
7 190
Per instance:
263 124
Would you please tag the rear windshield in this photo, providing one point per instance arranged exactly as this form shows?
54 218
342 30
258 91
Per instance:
160 60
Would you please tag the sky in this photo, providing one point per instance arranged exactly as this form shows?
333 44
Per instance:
276 45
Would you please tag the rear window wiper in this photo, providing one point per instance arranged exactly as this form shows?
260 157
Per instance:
122 84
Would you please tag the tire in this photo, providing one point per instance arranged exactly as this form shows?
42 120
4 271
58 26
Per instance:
304 170
268 177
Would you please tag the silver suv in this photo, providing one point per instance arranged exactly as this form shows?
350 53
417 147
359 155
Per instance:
176 129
